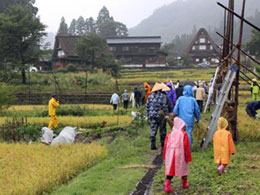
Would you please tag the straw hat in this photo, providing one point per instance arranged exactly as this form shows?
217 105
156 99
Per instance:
165 87
254 80
156 87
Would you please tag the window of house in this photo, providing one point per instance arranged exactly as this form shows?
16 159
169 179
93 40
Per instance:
125 48
202 40
197 59
202 47
193 47
211 47
61 53
112 49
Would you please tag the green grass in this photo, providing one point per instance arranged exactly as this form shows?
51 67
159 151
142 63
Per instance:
107 177
242 174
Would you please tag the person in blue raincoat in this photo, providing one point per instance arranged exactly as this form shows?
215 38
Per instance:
187 109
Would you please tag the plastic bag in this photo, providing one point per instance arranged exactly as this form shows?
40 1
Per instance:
47 135
66 136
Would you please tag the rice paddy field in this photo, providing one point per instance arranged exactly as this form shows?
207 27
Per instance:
36 168
152 77
85 168
85 121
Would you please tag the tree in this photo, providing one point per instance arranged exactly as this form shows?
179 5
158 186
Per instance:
91 48
20 35
63 29
72 28
107 27
90 26
80 26
121 30
94 50
186 59
4 4
170 49
253 46
103 15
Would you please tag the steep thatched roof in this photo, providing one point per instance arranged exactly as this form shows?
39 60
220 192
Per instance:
196 38
66 43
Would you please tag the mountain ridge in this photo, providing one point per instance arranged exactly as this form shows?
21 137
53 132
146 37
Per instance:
181 16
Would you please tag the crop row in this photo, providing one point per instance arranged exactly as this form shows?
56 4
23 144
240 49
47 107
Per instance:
84 121
45 107
37 168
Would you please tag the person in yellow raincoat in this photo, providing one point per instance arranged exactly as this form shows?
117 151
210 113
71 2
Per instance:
223 145
147 89
53 104
255 90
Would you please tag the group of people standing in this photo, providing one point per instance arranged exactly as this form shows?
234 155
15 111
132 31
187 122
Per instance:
164 105
135 98
163 102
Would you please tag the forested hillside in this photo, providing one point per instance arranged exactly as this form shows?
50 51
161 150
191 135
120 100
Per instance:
182 16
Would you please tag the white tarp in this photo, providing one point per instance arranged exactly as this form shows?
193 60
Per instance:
66 136
47 135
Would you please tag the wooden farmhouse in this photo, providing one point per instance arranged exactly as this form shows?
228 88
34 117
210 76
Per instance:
65 51
203 48
138 51
131 51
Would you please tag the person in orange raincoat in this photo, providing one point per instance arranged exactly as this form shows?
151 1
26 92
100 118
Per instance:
53 104
147 89
177 155
223 145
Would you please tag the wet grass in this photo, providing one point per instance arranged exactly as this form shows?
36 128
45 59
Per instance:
107 177
242 174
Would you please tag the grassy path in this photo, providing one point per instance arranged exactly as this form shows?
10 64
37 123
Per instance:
242 174
107 177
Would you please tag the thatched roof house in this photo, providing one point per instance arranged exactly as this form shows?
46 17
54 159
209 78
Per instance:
202 48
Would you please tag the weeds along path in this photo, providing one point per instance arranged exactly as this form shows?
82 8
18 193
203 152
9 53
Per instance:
145 183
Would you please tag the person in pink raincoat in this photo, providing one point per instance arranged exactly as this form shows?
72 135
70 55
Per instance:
177 154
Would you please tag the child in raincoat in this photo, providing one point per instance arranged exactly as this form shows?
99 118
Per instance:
177 155
223 145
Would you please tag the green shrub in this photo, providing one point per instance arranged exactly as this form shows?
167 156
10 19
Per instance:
6 97
62 70
71 68
26 132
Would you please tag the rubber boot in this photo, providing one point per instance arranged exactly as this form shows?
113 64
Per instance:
220 169
167 186
184 182
153 143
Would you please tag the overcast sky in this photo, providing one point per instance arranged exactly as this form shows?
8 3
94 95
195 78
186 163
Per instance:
129 12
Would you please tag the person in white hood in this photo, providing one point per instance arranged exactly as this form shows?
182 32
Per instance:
114 100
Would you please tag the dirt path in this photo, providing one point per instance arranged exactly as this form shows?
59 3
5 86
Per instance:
145 183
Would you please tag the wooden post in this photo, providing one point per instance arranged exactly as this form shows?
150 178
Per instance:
13 130
86 85
234 122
